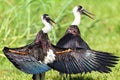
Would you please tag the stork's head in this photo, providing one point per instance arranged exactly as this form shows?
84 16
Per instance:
80 10
47 21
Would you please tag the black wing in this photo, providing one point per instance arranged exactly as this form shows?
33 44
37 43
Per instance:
25 61
83 61
71 41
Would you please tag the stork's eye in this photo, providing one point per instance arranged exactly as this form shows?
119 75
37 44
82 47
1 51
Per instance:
45 16
80 7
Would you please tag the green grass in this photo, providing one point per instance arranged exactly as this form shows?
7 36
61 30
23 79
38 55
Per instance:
20 22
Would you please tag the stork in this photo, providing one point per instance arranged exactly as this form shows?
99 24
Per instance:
30 58
41 55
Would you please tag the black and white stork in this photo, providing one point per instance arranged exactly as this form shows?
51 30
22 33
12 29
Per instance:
40 55
72 39
32 58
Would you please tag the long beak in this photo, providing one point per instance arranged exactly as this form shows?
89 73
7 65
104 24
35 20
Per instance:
90 15
51 21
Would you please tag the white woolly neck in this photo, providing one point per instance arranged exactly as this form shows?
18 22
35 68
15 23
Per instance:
77 19
47 28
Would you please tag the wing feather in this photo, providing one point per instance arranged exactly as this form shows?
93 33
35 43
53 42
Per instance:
26 62
81 60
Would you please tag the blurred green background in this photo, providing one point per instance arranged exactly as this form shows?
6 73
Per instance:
20 21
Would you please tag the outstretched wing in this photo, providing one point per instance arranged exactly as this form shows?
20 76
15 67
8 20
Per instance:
24 61
79 61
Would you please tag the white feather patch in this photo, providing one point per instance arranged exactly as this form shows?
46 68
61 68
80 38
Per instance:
40 62
50 57
89 54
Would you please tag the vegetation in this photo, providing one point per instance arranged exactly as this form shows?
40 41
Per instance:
20 22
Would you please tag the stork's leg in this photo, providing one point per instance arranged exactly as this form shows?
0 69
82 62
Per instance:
70 77
40 76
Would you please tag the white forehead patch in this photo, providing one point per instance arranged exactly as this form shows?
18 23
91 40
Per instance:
50 57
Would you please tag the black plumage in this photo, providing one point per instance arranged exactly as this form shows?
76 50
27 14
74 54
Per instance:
30 58
72 39
82 60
